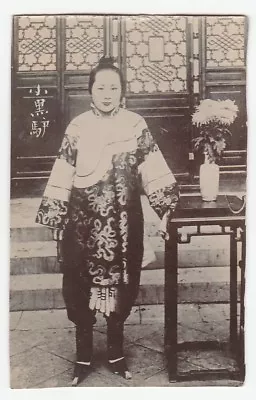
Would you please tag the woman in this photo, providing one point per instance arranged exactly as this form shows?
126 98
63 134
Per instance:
92 202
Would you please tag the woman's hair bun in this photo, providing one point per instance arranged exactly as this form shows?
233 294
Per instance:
106 61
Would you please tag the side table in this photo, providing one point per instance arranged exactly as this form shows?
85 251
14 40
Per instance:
193 212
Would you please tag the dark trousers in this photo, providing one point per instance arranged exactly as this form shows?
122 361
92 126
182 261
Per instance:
76 293
115 337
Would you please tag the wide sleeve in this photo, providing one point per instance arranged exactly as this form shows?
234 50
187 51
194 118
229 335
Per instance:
54 205
158 181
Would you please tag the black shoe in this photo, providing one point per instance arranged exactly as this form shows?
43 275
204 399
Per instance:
81 372
120 368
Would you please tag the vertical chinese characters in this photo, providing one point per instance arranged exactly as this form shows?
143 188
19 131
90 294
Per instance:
39 123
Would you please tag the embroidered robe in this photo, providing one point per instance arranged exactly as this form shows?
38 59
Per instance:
92 201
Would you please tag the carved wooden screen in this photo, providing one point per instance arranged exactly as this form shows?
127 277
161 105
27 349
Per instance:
169 63
155 60
223 58
156 54
36 114
52 58
225 42
84 42
36 44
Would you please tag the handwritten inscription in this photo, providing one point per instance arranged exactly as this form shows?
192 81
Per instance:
39 114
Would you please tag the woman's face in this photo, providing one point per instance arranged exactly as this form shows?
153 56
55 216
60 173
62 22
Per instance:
106 90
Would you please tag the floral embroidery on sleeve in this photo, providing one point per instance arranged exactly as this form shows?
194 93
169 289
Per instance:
68 149
158 181
52 213
164 199
146 144
53 208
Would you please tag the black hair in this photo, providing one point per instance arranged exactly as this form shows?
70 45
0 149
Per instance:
106 63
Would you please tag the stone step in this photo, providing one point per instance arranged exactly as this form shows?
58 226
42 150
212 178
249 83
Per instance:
23 211
36 232
196 285
24 228
37 257
30 234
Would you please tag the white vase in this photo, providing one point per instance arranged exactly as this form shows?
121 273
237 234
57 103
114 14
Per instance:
209 180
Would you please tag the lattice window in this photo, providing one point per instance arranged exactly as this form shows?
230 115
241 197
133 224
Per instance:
225 41
156 54
37 43
195 64
84 41
115 37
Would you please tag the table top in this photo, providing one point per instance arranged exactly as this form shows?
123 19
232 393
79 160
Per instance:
193 206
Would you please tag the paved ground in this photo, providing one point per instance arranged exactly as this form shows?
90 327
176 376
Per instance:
42 350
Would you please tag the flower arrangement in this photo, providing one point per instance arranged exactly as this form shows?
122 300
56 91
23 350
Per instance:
213 117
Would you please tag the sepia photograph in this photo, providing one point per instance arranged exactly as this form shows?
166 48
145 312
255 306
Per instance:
128 200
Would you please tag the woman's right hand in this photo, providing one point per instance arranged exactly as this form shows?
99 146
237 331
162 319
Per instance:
57 235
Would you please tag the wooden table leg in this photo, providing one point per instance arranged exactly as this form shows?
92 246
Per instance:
171 302
242 293
233 291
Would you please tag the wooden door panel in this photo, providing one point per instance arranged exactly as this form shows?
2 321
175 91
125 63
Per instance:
36 136
36 129
77 101
171 134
